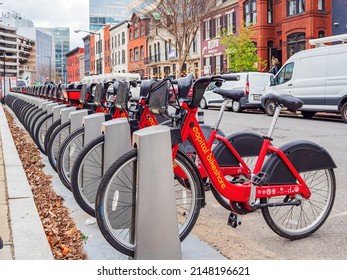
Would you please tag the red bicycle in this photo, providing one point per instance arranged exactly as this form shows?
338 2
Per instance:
294 185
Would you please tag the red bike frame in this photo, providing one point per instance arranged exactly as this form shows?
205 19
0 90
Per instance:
236 192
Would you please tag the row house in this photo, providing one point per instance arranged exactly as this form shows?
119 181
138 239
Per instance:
284 27
73 64
119 47
162 57
222 20
281 28
138 30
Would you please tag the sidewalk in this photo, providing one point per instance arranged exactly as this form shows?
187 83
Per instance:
23 232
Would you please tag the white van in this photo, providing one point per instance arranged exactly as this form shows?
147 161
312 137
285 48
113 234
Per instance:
252 83
318 77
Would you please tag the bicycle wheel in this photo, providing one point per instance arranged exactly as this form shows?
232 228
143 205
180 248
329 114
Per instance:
41 130
51 129
67 154
55 141
86 174
34 121
115 200
296 222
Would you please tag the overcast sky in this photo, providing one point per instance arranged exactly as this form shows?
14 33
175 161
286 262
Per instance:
54 13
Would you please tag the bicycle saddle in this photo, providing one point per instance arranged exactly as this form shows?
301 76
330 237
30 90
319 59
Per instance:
184 85
234 94
285 100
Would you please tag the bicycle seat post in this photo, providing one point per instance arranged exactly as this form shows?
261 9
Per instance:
220 115
274 120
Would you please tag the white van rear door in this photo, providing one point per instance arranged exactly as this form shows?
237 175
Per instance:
257 84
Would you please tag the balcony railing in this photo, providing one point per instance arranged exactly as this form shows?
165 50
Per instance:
152 59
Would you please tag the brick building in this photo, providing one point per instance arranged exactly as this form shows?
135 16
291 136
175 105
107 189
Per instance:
137 46
284 27
73 64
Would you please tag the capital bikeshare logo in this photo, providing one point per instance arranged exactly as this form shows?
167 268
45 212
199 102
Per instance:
210 158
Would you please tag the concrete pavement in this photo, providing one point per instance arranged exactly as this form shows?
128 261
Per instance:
21 228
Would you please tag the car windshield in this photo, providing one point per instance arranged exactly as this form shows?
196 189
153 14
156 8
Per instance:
21 84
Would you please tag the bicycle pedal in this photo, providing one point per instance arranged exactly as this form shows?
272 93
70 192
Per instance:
234 220
259 179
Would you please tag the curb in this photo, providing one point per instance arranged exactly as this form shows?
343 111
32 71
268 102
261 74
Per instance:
28 236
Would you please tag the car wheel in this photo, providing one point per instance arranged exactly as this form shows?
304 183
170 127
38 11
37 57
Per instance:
236 107
203 104
344 112
270 108
308 114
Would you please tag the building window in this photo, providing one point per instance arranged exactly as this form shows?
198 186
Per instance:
295 42
142 53
321 34
207 29
123 56
320 5
250 12
123 38
130 34
230 22
166 50
269 11
136 33
295 7
131 55
136 54
195 45
218 25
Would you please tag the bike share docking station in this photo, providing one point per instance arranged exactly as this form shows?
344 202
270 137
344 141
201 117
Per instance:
117 140
65 114
156 223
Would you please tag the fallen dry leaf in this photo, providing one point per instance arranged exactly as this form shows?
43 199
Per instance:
58 225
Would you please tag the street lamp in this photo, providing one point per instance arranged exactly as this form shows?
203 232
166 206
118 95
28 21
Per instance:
95 33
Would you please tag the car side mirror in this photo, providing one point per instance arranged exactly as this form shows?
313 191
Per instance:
272 80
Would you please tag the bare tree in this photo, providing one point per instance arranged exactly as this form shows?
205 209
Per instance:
181 19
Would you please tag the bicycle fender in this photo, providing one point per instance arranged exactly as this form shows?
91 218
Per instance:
245 143
304 155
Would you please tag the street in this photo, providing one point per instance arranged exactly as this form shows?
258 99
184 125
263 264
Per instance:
254 239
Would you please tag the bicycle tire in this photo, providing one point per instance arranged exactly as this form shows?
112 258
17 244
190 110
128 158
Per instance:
66 156
55 141
34 121
104 214
49 133
29 115
86 174
41 130
291 221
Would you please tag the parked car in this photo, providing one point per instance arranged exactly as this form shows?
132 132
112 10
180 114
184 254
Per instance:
317 76
21 83
252 83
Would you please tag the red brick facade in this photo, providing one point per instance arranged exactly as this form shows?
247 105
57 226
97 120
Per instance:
73 65
286 26
137 47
